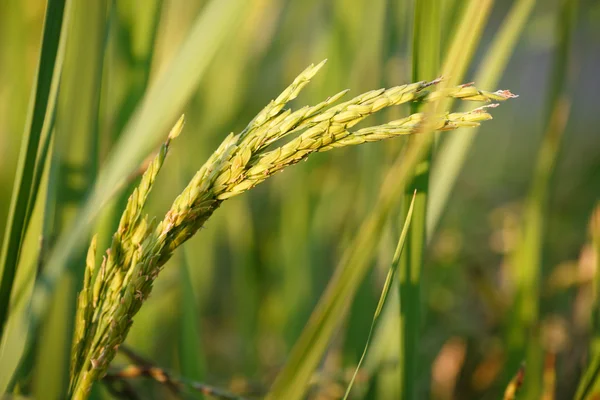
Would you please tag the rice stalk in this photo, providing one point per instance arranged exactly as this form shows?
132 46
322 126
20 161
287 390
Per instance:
114 292
426 39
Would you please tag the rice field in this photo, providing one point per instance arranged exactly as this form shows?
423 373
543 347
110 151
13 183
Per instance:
441 241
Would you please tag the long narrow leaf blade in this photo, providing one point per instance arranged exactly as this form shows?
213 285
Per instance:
75 154
41 98
386 290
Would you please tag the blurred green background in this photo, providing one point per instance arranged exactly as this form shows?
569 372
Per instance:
232 302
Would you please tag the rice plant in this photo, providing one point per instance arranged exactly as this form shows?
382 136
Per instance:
130 267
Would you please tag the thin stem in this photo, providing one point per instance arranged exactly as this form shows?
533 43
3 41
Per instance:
143 367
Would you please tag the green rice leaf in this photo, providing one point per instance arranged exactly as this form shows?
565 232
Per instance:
385 291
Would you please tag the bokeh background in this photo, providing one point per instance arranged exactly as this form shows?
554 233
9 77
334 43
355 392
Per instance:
236 297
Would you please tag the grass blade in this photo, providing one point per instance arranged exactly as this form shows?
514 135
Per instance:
72 172
42 94
14 364
310 346
386 290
